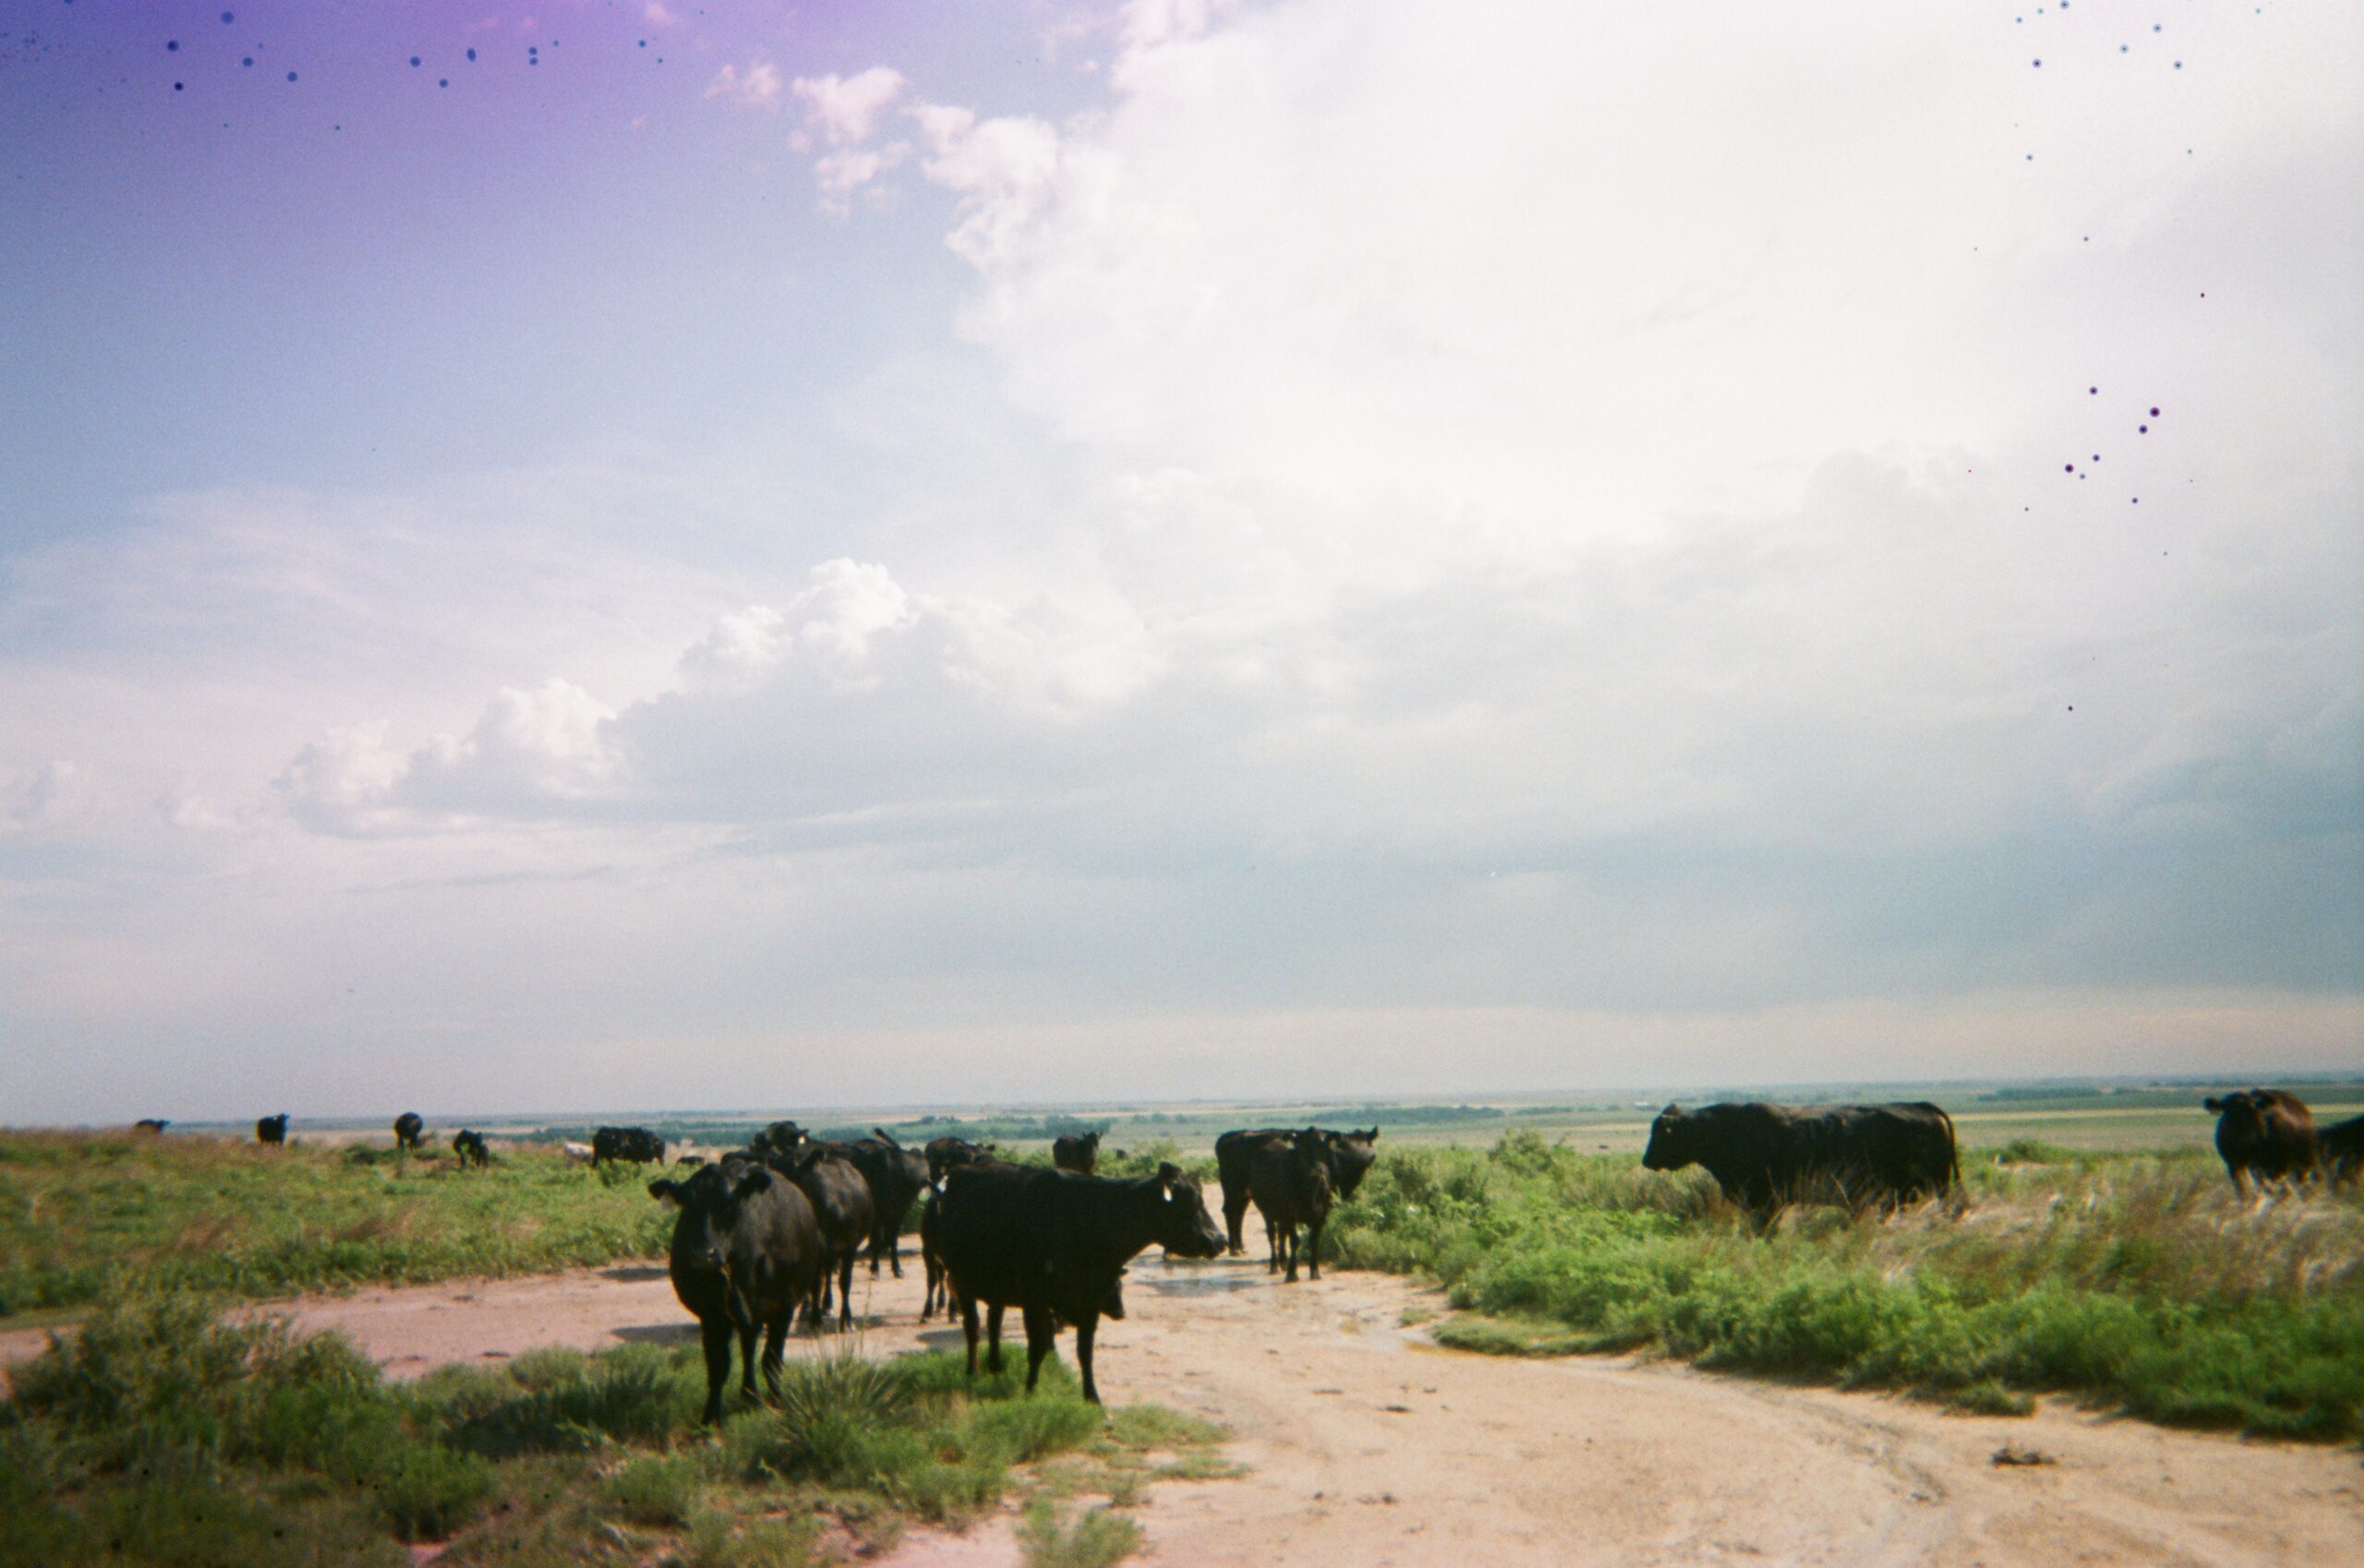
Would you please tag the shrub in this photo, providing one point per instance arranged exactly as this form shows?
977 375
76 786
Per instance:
655 1491
426 1490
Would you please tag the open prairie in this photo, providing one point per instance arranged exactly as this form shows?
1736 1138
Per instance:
1525 1346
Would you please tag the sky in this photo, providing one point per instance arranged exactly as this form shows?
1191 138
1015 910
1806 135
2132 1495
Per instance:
634 555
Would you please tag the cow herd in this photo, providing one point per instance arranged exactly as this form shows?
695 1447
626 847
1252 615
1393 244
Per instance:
773 1231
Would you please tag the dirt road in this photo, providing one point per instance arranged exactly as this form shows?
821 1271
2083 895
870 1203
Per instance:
1365 1444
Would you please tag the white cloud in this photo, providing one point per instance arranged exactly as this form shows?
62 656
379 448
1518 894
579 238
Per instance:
1539 525
846 109
758 86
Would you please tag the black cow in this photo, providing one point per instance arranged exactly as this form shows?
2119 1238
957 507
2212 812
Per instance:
634 1145
2340 1148
1055 1245
1763 1156
779 1138
1235 1154
897 1177
410 1129
948 1154
272 1129
2264 1134
746 1250
469 1147
841 1204
1291 1182
1077 1153
150 1125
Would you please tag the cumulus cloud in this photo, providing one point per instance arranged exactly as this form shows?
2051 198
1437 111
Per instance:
845 109
533 752
1570 529
758 86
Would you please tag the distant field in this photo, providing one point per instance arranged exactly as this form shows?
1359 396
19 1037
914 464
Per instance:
2124 1116
88 1217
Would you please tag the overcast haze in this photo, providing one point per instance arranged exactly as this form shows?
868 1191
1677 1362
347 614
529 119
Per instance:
1009 551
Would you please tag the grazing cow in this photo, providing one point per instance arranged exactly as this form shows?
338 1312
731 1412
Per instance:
575 1154
1763 1156
746 1250
780 1137
150 1125
636 1145
1080 1154
1291 1182
948 1154
841 1204
2265 1134
1235 1154
410 1131
2340 1147
1055 1245
272 1129
469 1147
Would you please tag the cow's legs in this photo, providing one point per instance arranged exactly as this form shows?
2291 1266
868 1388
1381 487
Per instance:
993 1339
1313 1248
969 1327
716 1335
845 1292
1041 1335
747 1357
1086 1327
1235 1216
776 1348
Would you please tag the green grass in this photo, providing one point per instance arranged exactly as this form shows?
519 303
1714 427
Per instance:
88 1217
2140 1282
213 1442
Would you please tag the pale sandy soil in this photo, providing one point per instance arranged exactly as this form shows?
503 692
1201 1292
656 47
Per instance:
1364 1444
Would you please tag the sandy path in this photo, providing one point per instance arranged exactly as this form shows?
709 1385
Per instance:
1366 1445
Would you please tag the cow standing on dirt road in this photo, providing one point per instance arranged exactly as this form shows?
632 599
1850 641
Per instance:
1292 1184
746 1250
1352 1156
1055 1245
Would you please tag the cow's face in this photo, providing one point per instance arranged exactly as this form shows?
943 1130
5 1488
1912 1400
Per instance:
1351 1157
1183 1227
1671 1141
709 1201
2243 1112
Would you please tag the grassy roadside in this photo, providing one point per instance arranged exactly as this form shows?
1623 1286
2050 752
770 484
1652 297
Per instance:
2138 1281
209 1442
88 1217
